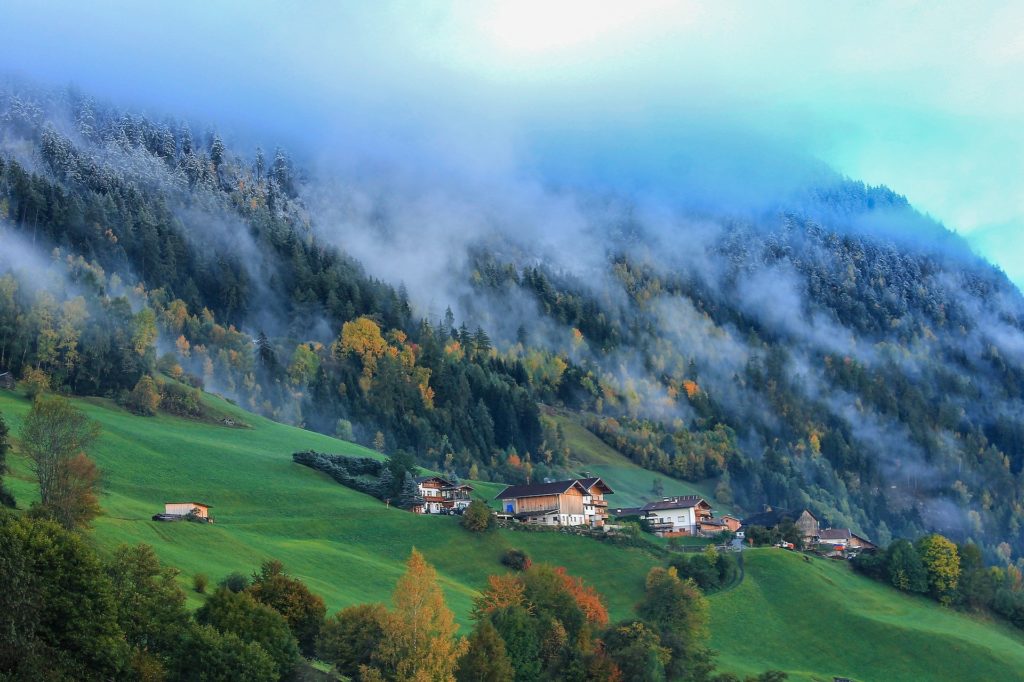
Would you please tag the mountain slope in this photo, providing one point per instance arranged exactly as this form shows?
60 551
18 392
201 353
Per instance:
813 620
829 347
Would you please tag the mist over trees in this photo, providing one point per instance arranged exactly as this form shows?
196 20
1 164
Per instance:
833 349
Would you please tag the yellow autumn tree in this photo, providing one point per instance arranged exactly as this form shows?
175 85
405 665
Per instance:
420 643
363 338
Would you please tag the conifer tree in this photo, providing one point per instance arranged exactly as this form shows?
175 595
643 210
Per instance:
420 642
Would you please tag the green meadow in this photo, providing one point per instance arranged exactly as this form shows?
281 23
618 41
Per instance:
347 546
814 619
818 619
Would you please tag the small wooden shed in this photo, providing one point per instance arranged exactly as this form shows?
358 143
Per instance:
7 380
185 508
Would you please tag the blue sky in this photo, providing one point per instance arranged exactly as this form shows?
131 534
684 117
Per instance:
921 96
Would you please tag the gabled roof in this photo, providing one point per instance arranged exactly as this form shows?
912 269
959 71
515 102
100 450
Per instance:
772 518
589 483
424 479
200 504
681 502
627 511
537 489
835 534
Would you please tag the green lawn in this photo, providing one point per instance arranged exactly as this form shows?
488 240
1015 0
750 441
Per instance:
631 483
347 546
818 620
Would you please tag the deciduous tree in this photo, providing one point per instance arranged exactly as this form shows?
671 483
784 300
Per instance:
55 437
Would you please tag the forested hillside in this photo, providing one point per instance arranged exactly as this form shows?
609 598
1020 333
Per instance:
813 352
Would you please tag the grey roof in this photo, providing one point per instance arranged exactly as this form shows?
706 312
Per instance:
537 489
681 502
421 479
835 534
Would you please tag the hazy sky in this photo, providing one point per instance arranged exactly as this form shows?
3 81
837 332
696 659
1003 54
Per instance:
925 99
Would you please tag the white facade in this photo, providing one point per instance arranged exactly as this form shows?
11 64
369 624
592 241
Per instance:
673 520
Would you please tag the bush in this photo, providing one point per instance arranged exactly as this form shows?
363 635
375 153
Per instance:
236 582
200 582
516 559
36 382
478 517
144 398
180 400
303 610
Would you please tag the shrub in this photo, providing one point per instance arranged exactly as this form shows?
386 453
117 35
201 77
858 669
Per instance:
516 559
236 582
144 398
477 517
199 582
180 400
36 382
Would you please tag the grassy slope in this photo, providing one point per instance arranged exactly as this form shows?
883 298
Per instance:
346 545
820 619
632 483
814 620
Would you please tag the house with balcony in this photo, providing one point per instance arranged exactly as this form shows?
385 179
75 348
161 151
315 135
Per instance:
595 507
675 516
557 503
441 496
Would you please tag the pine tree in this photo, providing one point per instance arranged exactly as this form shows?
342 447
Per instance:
409 495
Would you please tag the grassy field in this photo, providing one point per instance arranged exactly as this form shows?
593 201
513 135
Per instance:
632 483
818 620
813 619
347 546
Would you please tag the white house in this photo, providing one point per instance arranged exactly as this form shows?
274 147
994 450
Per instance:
441 495
676 515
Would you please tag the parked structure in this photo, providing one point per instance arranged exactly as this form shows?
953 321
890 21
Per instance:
441 496
674 516
806 522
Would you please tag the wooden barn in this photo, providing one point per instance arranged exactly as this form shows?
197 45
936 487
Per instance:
185 508
559 503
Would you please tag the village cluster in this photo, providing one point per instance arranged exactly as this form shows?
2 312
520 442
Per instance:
580 502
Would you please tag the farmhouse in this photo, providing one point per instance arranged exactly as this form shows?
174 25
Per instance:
711 526
559 503
595 507
441 496
806 522
183 509
842 539
673 516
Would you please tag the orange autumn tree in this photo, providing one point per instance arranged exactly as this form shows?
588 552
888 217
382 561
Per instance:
503 591
419 643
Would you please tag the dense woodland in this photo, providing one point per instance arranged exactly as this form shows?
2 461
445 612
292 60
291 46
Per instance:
815 354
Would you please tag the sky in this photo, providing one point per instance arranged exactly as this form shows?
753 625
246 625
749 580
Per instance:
923 97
